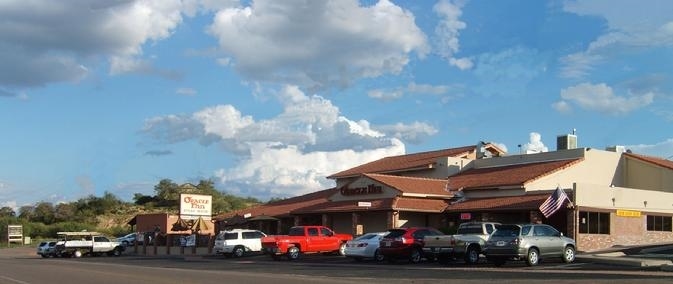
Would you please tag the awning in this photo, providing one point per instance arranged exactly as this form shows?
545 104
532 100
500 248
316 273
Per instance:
199 225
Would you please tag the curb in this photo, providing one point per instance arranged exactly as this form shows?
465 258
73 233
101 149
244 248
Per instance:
616 259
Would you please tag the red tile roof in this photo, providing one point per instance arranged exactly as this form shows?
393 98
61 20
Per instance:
420 204
282 208
423 160
506 176
653 160
398 203
530 201
413 185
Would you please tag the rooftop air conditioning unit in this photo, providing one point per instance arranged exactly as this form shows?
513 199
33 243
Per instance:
616 148
565 142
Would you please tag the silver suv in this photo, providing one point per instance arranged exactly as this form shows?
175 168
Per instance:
238 242
531 243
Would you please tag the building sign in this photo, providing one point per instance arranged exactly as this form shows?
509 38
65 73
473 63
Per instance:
364 204
195 205
465 216
14 234
628 213
370 189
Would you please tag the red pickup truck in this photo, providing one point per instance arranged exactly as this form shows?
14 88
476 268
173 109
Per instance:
305 239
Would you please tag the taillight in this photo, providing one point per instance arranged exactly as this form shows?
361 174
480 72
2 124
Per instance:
515 242
405 240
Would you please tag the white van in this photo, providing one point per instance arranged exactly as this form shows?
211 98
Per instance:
238 242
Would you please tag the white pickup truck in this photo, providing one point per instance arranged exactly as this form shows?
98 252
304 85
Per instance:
467 243
76 244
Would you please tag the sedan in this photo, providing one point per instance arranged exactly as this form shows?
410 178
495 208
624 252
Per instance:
531 242
365 246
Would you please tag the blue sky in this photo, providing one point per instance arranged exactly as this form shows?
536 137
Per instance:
267 98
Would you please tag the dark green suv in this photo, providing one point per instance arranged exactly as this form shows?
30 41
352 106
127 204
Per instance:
531 243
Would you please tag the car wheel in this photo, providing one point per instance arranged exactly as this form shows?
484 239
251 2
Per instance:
568 254
416 255
533 257
472 255
238 252
125 243
342 249
378 256
77 254
293 253
117 252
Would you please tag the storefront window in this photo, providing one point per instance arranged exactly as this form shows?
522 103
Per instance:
594 223
659 223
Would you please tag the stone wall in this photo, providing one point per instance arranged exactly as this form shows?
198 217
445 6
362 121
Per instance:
624 231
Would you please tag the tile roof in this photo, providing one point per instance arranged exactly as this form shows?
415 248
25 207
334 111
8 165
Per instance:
282 208
413 185
653 160
506 176
420 204
530 201
423 160
397 203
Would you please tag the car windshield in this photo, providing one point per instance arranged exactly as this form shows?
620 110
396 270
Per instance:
469 229
365 237
507 231
395 233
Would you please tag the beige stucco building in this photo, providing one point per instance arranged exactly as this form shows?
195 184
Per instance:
616 198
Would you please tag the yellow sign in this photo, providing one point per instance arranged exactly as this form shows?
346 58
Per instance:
628 213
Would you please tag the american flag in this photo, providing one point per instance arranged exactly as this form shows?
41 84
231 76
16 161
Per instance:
554 202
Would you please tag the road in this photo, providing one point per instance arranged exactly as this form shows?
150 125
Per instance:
25 268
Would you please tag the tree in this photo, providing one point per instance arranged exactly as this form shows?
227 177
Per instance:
7 212
167 192
43 212
26 212
64 212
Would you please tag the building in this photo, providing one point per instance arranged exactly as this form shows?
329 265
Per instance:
615 197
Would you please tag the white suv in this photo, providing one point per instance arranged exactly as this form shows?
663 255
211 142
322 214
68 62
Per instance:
238 242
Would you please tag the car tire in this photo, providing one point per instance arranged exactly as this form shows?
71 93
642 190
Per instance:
471 255
378 257
125 243
77 254
416 255
117 251
238 252
342 249
568 254
293 253
533 257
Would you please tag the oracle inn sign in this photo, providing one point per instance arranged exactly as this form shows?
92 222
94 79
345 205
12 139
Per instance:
193 206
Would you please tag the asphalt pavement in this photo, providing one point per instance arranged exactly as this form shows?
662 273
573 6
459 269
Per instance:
654 256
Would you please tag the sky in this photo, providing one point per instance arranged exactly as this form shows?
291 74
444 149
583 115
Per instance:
268 98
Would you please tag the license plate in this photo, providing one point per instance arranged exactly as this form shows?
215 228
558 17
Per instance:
500 243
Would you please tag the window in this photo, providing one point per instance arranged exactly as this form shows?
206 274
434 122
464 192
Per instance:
313 232
545 231
252 235
594 223
659 223
231 236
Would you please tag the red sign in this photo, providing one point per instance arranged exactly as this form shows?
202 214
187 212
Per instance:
465 216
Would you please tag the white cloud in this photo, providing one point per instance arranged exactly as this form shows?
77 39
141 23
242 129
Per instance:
601 98
562 107
413 133
662 149
186 91
633 27
535 144
296 41
446 42
411 88
46 41
292 152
